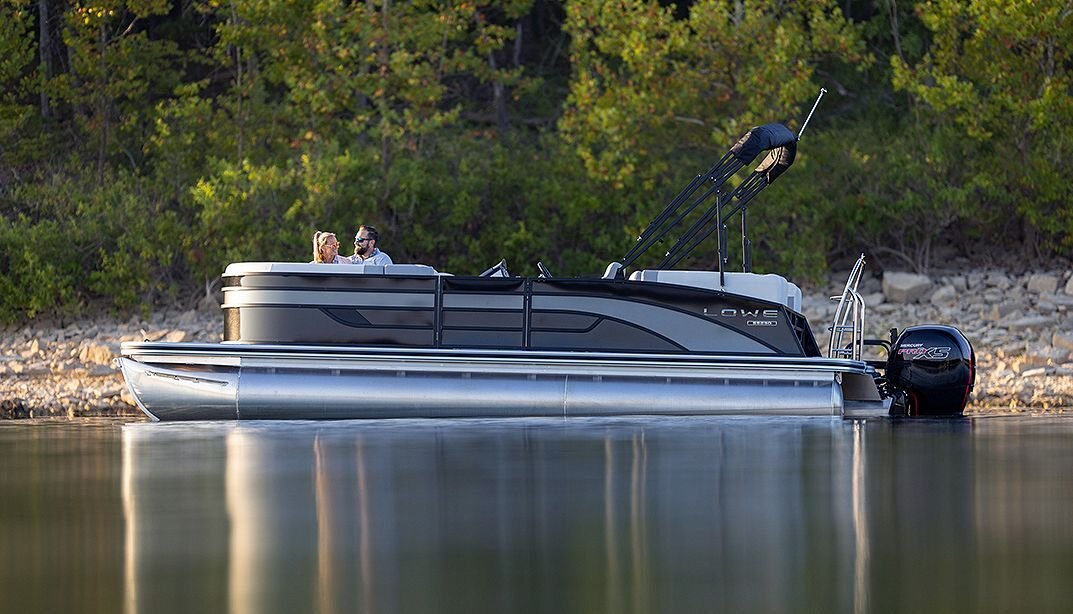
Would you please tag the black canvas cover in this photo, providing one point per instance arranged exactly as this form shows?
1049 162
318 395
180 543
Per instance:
774 138
762 138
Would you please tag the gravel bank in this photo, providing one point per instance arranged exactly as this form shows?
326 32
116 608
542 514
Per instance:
1020 325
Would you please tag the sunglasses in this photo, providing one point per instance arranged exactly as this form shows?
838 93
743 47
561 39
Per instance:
361 239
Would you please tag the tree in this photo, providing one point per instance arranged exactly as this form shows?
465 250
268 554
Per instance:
653 92
999 72
364 91
114 68
16 59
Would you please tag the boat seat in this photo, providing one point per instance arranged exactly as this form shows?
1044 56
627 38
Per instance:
244 268
613 271
408 269
768 287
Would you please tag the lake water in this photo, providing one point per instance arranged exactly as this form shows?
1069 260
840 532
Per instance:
617 516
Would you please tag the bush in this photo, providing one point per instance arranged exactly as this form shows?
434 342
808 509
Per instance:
67 243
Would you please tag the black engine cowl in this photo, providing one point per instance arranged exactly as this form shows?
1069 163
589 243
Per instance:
935 367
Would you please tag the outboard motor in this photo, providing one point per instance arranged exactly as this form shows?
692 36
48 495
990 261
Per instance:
933 369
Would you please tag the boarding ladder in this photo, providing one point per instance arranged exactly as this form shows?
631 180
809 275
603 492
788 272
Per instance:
849 319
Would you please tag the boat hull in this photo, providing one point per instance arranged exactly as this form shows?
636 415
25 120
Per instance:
258 382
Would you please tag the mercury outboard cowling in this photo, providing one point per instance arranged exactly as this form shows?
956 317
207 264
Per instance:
935 367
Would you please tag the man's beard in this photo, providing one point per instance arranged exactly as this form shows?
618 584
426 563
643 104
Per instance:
364 250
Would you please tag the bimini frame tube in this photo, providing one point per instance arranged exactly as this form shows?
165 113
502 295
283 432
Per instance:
773 137
781 145
727 166
801 132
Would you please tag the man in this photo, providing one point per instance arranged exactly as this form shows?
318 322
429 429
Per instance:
365 251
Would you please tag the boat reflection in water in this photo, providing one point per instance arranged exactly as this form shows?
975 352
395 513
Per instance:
639 515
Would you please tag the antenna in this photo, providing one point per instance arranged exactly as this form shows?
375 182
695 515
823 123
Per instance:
814 105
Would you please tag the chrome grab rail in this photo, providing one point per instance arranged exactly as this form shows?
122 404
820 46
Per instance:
850 308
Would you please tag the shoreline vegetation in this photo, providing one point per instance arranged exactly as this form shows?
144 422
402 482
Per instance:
1021 327
145 145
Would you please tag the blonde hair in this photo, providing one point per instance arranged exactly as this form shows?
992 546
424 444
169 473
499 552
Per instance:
319 239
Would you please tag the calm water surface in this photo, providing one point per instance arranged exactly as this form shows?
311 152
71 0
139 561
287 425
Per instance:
630 515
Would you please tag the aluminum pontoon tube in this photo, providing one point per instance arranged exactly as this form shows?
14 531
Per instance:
304 385
168 393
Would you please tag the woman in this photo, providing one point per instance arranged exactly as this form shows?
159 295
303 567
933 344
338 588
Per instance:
326 249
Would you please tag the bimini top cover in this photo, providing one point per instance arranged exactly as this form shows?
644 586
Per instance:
773 138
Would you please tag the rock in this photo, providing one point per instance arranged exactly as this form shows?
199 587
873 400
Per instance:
905 287
34 370
1062 340
1069 286
945 295
1046 355
175 336
13 408
873 299
1001 311
1041 283
188 318
1035 372
209 304
960 283
1061 300
1031 323
156 335
869 285
998 279
96 354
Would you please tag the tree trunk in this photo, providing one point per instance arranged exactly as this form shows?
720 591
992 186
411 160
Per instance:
499 102
44 50
102 110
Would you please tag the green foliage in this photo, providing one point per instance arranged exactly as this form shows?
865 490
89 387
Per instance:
625 91
17 119
242 212
526 200
76 243
34 281
463 207
646 84
181 137
1000 73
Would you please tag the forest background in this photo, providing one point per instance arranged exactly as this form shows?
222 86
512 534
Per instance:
145 144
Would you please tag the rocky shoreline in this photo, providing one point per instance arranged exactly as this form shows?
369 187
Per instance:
1021 326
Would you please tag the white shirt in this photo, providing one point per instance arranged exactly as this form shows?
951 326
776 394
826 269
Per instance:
377 258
